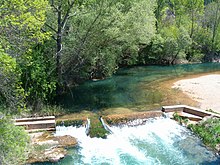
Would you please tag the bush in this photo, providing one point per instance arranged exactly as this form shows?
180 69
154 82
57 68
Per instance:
14 143
208 131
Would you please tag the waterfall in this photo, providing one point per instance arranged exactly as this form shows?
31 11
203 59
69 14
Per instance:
158 141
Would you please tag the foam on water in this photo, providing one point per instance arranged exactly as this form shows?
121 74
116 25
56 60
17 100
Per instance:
159 141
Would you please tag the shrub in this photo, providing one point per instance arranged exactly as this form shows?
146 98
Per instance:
208 131
14 143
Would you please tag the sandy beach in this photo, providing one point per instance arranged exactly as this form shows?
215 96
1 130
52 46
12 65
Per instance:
204 89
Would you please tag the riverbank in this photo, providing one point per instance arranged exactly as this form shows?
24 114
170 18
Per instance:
205 90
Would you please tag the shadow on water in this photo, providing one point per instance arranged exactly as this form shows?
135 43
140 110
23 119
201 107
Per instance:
216 162
124 88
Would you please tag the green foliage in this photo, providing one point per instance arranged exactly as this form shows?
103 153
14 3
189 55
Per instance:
212 22
66 123
21 23
198 24
209 131
169 45
46 110
21 28
14 143
180 119
11 91
106 34
97 129
38 76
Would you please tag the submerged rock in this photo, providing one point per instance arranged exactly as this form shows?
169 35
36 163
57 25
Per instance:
55 154
47 155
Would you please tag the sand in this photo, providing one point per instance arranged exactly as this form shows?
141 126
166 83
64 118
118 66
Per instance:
204 89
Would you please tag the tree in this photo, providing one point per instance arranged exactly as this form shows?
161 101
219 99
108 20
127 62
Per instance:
61 10
20 25
38 75
194 9
20 30
158 12
212 20
11 91
106 34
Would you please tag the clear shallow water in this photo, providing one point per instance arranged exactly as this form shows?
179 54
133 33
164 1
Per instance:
125 88
159 142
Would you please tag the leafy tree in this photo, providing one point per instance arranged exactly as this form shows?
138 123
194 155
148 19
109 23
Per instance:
161 4
38 75
20 24
14 143
11 92
212 21
20 29
105 34
58 16
170 45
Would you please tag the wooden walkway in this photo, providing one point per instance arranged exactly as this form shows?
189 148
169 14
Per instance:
46 123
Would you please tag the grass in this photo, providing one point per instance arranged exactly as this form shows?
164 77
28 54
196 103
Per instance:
180 119
76 122
97 129
208 131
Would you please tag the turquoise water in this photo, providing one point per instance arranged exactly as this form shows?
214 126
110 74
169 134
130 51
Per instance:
129 87
159 141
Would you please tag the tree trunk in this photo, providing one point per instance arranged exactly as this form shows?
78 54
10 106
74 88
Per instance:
59 52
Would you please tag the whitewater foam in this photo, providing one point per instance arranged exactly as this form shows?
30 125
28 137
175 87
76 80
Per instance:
158 141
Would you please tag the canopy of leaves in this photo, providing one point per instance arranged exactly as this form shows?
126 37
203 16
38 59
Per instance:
20 24
11 92
106 34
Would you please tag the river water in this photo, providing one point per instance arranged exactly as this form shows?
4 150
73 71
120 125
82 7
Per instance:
129 87
158 142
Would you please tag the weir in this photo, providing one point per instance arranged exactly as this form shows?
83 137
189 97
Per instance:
106 126
158 141
87 127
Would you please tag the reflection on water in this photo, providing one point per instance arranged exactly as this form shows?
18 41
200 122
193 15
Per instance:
159 142
124 88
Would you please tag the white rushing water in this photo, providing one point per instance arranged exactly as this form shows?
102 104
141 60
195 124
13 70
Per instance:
159 141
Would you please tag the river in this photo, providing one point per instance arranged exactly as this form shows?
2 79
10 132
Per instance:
158 142
131 87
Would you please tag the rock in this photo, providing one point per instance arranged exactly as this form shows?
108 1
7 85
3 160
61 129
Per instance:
51 155
47 147
66 141
55 154
217 147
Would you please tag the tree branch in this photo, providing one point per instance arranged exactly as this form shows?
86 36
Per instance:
63 23
52 4
51 27
46 31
